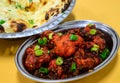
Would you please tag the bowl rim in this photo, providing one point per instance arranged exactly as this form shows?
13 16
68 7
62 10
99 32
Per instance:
114 50
54 21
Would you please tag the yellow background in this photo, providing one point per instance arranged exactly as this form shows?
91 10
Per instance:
106 11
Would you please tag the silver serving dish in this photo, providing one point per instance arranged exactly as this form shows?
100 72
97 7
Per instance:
49 25
68 25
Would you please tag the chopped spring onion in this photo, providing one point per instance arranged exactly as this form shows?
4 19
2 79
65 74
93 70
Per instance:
73 67
59 61
38 52
60 34
36 47
90 25
73 37
43 70
95 45
48 51
95 48
2 22
105 53
50 35
93 31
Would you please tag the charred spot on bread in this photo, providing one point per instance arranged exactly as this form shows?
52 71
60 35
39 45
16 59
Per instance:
46 16
10 1
65 7
45 3
63 0
39 10
20 27
2 29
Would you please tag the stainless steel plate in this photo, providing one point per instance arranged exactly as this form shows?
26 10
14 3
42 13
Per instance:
49 25
68 25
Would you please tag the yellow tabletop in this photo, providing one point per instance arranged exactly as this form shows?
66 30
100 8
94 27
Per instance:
105 11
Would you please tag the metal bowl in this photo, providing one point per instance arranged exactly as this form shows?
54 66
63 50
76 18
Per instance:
49 25
114 41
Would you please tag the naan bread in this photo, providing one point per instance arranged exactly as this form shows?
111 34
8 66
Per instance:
19 15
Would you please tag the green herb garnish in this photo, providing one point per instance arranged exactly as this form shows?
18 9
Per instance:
50 35
36 47
2 22
38 52
43 70
30 0
18 6
31 22
73 67
90 25
95 48
59 61
48 52
42 41
9 10
60 34
45 40
73 37
105 53
93 31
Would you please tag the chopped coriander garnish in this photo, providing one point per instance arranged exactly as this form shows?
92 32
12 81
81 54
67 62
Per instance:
105 53
9 10
31 21
18 6
30 0
2 22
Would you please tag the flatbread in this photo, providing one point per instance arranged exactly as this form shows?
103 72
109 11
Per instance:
19 15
